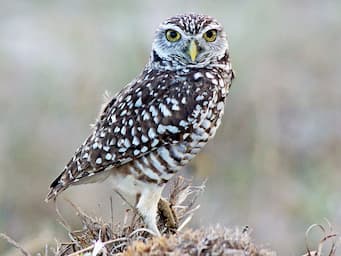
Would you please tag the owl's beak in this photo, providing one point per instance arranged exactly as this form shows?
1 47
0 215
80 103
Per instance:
193 50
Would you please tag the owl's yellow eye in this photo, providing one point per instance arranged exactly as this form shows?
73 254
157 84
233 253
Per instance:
210 35
172 35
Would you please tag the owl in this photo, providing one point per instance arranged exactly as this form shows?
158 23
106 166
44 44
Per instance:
158 122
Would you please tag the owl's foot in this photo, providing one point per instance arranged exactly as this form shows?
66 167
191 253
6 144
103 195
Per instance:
147 205
168 215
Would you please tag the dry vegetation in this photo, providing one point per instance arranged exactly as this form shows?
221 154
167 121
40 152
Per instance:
129 237
328 242
97 237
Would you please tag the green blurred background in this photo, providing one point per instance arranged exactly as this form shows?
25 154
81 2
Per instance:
275 162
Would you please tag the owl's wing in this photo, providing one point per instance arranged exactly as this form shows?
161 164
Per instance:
146 114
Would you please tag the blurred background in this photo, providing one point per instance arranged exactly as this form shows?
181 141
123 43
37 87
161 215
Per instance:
275 162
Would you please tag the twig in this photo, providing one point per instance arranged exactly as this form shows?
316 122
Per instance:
112 212
184 223
142 229
124 199
92 246
15 244
326 236
62 220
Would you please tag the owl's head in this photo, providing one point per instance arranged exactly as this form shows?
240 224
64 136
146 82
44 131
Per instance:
190 39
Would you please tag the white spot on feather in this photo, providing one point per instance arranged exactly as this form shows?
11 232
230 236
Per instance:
144 138
209 75
214 81
127 143
164 110
136 152
183 123
199 97
138 103
144 149
135 141
146 116
197 75
220 105
123 130
133 131
155 142
113 118
153 110
151 133
128 98
121 150
206 124
172 128
161 129
175 107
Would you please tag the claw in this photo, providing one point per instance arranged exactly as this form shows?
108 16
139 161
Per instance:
168 214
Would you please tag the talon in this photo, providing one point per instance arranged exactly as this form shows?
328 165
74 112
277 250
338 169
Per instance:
168 214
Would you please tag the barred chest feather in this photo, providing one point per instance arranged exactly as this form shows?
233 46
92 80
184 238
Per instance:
161 164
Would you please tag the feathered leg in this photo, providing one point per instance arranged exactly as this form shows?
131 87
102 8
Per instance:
148 206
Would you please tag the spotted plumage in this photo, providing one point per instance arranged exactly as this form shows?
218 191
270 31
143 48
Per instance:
162 119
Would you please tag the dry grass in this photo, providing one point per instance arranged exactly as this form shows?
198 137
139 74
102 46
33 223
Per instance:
15 244
328 242
206 241
130 237
115 237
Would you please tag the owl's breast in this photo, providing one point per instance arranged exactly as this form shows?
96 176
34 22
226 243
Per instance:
207 128
207 124
187 117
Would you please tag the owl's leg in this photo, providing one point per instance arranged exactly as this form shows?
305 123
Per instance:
167 212
148 205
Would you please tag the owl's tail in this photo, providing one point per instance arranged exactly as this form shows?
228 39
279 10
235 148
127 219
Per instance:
75 172
56 188
65 179
69 176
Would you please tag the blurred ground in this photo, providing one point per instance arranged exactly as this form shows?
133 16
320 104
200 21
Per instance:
275 163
